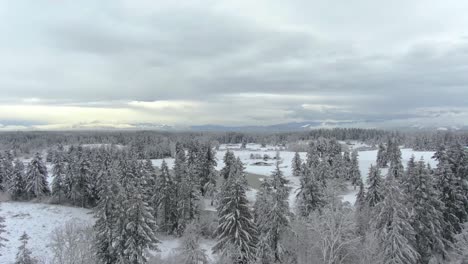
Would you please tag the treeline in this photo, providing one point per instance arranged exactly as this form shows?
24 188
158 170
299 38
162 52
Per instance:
158 144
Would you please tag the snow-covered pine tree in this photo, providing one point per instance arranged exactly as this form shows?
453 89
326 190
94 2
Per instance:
17 188
275 221
310 196
426 216
296 164
394 231
236 232
394 158
59 171
354 172
229 161
164 198
36 177
361 212
6 170
24 255
209 174
140 228
451 194
375 183
190 250
382 156
106 214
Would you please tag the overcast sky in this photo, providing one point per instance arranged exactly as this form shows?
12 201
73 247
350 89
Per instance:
119 63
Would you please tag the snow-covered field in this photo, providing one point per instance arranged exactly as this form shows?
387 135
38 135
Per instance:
39 220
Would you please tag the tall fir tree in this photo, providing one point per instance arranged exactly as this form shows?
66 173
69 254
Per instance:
310 195
382 156
59 170
229 161
275 221
140 227
354 172
36 177
296 165
375 187
236 233
106 214
17 188
394 231
426 216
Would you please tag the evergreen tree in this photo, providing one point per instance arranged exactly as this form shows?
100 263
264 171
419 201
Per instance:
36 177
310 196
354 172
209 174
427 216
164 197
24 254
382 156
394 231
106 214
6 170
190 250
374 191
361 213
275 220
59 171
296 164
236 232
229 161
140 228
17 188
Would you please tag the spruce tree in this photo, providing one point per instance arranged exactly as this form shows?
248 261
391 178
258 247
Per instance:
427 216
382 156
106 214
296 164
394 231
36 177
236 232
361 213
190 249
229 161
275 221
2 230
374 191
140 228
17 188
354 172
24 255
310 196
165 199
59 171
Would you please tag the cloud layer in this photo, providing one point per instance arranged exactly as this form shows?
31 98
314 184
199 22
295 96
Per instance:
116 63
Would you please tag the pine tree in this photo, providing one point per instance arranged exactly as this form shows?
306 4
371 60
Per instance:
59 170
140 228
451 194
354 172
276 219
106 219
229 161
17 188
361 213
394 231
164 197
209 174
382 156
394 156
310 196
427 216
6 170
296 164
236 232
36 177
190 250
24 254
374 191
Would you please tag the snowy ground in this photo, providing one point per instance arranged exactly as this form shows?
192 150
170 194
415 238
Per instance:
39 220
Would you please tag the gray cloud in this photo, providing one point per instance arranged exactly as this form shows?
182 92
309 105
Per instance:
251 62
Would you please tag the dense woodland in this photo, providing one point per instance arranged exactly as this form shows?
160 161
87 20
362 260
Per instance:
414 215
